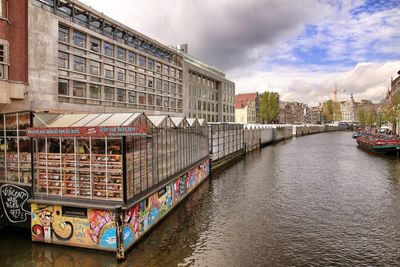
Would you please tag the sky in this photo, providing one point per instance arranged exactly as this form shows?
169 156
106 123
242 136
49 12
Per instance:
300 49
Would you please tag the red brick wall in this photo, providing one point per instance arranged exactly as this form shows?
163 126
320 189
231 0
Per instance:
16 33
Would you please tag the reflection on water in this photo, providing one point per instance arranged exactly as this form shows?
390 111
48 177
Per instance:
314 200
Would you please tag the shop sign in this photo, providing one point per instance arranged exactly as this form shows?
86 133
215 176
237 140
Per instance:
98 131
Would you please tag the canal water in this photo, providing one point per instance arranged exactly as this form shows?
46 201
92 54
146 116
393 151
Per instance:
317 200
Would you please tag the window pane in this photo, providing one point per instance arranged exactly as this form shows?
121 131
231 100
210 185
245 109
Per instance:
62 60
142 98
121 94
150 64
109 93
121 53
132 57
132 97
79 39
63 87
63 34
150 100
109 49
120 74
142 61
109 71
94 44
79 89
79 64
95 91
94 67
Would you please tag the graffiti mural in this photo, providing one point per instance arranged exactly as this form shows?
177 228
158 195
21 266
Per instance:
98 228
102 228
13 199
47 222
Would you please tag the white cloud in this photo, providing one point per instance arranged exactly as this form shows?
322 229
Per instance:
250 40
365 80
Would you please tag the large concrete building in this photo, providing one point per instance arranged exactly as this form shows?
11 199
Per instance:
210 95
64 56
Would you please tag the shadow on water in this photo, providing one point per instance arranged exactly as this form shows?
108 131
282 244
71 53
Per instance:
316 200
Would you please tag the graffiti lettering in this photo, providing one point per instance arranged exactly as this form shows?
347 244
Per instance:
13 199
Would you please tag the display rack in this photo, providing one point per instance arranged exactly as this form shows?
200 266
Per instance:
96 176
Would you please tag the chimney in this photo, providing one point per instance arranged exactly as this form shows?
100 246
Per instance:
183 48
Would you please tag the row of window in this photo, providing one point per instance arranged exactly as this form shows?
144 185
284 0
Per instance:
203 106
201 80
203 93
111 72
95 91
99 46
207 117
71 11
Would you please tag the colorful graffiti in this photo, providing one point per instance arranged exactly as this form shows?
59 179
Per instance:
98 228
102 228
47 221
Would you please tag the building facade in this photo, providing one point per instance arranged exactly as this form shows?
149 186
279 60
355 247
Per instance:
292 112
245 108
349 110
77 59
314 115
210 95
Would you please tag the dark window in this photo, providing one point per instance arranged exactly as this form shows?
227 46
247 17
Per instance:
142 99
132 57
63 87
79 89
108 49
94 44
142 61
94 67
121 95
79 64
109 71
74 212
79 39
121 74
63 34
109 93
95 91
150 64
158 101
62 60
121 53
132 97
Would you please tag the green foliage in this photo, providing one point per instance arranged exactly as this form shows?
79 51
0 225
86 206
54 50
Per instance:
269 107
392 110
362 117
371 117
331 111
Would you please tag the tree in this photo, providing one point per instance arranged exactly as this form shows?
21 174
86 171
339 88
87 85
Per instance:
331 111
269 107
327 111
362 117
371 117
392 110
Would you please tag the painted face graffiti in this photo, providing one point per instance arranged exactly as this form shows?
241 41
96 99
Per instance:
49 225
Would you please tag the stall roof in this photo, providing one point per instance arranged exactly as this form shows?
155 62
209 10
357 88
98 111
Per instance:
157 120
178 121
192 121
94 119
202 122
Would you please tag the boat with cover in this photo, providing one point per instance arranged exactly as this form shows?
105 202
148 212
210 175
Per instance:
379 143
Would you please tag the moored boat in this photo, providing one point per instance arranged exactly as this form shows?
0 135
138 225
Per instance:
381 144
